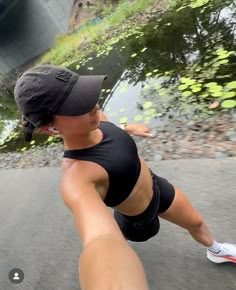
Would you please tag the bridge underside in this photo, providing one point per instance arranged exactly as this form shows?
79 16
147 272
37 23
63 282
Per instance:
6 5
28 28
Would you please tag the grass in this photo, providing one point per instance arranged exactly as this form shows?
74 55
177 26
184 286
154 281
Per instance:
66 48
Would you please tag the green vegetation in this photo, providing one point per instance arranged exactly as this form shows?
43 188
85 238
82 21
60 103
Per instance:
184 58
65 51
192 55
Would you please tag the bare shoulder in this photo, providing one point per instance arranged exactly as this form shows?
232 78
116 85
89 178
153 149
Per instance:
67 163
75 170
75 180
79 177
83 170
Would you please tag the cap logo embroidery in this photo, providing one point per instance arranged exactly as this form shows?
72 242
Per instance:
63 75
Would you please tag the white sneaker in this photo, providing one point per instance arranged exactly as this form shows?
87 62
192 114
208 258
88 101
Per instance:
227 254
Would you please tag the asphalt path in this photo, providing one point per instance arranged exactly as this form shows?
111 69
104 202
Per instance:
38 236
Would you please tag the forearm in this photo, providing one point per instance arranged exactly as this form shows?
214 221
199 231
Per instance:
131 128
109 263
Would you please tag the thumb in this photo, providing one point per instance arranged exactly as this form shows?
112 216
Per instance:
145 134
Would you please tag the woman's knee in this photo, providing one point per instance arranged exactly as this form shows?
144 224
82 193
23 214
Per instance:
196 225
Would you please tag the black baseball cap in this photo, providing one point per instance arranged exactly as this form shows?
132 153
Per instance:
47 90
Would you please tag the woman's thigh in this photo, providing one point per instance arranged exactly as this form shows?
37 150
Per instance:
181 212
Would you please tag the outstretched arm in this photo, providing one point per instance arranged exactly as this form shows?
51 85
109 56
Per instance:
107 262
137 129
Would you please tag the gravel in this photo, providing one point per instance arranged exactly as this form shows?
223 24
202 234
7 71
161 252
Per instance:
214 138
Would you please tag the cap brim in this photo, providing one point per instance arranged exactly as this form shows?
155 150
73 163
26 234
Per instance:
83 96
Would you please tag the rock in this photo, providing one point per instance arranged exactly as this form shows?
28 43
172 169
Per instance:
231 153
231 135
176 141
220 155
190 124
3 165
222 149
164 141
234 116
157 157
176 156
183 151
154 133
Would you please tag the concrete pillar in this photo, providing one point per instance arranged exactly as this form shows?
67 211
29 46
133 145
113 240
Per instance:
29 29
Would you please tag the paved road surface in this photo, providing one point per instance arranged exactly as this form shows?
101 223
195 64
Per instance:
37 232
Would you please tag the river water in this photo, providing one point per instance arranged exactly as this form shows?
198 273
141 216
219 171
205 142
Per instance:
145 68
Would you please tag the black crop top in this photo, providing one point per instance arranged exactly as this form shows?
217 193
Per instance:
117 154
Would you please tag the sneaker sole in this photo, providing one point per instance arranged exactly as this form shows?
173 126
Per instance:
219 260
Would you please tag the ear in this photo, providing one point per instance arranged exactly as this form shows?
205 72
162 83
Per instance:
49 130
53 130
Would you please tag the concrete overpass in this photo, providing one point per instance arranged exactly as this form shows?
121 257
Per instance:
28 28
5 6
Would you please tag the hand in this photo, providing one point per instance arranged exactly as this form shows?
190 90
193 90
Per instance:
138 129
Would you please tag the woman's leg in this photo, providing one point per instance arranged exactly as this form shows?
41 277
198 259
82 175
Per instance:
182 213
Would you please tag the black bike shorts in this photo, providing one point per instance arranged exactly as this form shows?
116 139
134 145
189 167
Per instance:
142 227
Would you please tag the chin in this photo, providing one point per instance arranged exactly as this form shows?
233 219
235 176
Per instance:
95 125
98 123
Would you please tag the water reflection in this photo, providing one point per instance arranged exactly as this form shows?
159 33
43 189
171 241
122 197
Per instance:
7 126
176 40
146 66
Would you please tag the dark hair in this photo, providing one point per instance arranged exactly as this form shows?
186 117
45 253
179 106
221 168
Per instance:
29 128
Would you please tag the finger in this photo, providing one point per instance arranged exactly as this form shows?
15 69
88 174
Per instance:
146 129
144 134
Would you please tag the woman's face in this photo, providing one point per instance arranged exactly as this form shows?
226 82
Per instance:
83 124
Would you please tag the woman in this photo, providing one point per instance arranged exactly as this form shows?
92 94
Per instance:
101 168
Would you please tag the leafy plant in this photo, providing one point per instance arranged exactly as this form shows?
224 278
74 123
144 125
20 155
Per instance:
65 50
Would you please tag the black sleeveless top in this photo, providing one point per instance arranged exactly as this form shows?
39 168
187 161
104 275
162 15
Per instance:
117 154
